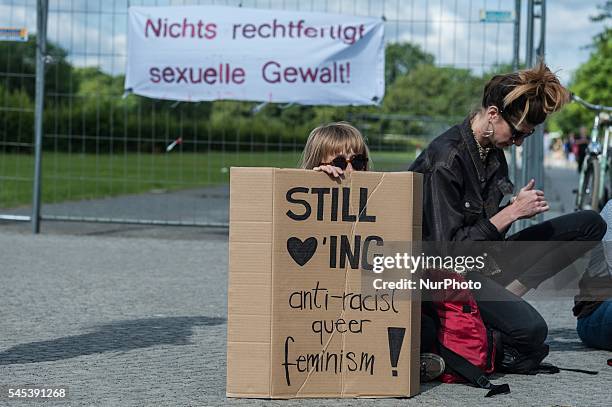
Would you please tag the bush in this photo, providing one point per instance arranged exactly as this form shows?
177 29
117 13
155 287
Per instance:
16 120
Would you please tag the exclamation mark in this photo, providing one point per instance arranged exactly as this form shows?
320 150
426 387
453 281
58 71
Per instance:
396 337
348 72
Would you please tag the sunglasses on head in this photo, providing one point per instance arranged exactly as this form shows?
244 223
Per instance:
358 161
516 133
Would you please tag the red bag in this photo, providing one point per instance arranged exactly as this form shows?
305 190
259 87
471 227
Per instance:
461 330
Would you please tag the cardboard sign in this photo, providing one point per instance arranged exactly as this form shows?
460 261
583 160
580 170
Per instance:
300 323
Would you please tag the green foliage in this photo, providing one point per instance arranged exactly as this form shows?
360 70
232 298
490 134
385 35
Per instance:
401 58
16 119
434 91
429 92
605 12
592 81
20 58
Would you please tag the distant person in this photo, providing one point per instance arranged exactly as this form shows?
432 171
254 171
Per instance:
466 178
581 142
593 305
337 149
567 145
547 142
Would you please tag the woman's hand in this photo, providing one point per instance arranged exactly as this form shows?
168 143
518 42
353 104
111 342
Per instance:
529 202
332 171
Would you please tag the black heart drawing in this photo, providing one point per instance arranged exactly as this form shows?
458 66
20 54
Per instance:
300 251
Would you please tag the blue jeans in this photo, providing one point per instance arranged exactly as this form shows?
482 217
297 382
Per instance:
595 330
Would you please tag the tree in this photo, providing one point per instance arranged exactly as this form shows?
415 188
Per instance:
434 92
20 58
16 119
605 14
401 58
592 81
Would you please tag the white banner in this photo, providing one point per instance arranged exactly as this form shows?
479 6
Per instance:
196 53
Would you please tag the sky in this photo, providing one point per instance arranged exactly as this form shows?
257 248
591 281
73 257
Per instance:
568 33
94 31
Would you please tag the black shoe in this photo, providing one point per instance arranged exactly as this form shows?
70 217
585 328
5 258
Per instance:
526 362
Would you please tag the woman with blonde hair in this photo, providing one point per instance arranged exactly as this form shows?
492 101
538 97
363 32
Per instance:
335 148
465 177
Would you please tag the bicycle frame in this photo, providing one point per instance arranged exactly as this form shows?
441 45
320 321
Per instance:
593 150
598 151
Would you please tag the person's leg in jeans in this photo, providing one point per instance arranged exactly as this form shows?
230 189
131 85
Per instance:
595 330
520 325
539 261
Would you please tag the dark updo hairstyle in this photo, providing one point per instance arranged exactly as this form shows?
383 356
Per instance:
526 96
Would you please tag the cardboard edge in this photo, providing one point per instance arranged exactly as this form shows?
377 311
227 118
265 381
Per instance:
318 396
267 364
271 312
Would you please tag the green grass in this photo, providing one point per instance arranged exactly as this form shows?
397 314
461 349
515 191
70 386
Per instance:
88 176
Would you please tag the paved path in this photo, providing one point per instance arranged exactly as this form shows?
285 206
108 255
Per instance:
192 206
131 321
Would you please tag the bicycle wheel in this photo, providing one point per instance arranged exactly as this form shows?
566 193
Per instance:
607 184
588 195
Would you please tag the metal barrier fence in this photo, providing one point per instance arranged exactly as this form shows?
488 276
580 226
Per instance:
109 157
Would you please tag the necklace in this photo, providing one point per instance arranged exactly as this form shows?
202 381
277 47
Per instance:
482 151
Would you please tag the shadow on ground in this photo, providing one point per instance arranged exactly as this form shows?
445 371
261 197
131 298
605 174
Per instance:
565 340
114 337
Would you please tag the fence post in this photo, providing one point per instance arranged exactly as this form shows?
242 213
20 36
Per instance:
540 51
515 67
41 51
533 147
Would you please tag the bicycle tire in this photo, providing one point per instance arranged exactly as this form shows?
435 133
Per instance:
579 191
588 197
595 198
607 184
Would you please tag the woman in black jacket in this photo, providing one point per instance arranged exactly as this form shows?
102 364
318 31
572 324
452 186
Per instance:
465 180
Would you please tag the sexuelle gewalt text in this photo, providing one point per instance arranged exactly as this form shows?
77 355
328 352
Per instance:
271 72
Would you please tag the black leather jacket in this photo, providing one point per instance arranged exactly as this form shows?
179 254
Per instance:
460 194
